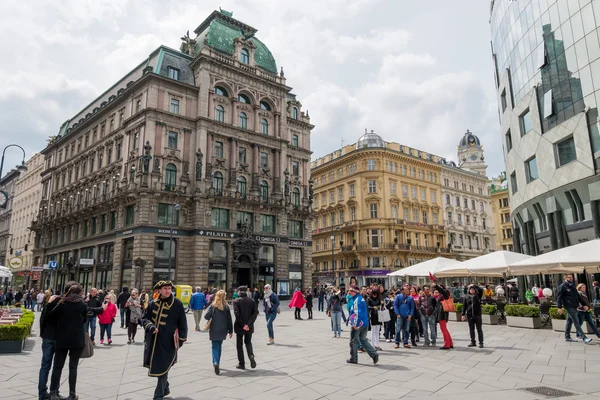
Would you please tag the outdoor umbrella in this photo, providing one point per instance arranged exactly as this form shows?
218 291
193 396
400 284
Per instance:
425 267
492 264
572 259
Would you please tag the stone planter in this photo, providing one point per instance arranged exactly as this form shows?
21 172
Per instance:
455 316
524 322
489 319
558 325
11 346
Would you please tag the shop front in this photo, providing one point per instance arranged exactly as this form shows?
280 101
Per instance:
217 264
295 268
85 274
373 276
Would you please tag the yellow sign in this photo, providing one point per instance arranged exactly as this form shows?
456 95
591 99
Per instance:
15 263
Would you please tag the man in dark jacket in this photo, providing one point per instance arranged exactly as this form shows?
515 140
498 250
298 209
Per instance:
121 301
472 312
427 305
9 297
256 297
245 311
18 297
94 303
596 292
568 297
321 303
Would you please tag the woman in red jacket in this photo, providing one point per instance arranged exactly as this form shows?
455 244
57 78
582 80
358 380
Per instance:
107 318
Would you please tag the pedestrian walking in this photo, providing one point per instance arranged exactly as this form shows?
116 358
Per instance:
374 305
256 297
427 304
298 302
596 292
94 305
584 310
68 316
321 302
441 316
472 312
9 297
197 304
165 327
245 311
271 308
221 325
359 320
133 315
107 318
390 326
404 307
334 310
2 298
309 303
415 321
568 297
120 303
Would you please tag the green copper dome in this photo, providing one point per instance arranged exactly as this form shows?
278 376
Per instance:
220 35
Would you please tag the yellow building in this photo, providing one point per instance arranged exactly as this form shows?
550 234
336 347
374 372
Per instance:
501 213
377 209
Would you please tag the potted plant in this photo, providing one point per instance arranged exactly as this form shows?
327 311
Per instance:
408 242
559 320
12 337
521 316
456 316
488 314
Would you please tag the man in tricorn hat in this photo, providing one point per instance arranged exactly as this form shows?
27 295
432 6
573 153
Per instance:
165 327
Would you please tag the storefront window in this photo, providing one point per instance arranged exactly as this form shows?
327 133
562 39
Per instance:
218 250
283 288
294 256
267 254
217 278
295 280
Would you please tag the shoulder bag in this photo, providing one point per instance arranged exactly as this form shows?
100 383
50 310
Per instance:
207 326
88 347
448 305
383 315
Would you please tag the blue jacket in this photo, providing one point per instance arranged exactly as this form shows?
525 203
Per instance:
198 301
359 315
274 303
404 306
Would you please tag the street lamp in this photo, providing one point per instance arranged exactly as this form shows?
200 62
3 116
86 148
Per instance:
176 207
20 168
333 256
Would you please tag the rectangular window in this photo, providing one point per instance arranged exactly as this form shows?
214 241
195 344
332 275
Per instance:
103 223
404 191
173 73
340 194
341 216
468 219
172 140
242 155
541 217
424 217
267 224
394 212
332 196
415 215
167 214
294 256
94 224
503 100
295 168
513 183
295 229
295 140
548 104
531 169
244 217
129 215
459 220
525 122
371 165
414 192
219 218
352 193
372 186
508 139
353 213
218 149
565 151
113 221
435 218
138 105
423 194
406 214
433 197
264 160
473 205
373 210
174 106
393 188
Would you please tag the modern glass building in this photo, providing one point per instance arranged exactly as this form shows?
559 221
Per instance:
546 56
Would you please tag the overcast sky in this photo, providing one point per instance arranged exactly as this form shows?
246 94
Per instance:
418 73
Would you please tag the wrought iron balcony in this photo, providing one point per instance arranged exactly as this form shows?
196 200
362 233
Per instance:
167 187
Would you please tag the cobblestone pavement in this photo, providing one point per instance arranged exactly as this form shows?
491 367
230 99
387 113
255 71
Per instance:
307 363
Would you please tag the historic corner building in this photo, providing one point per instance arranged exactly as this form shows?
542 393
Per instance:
466 200
207 144
501 212
377 208
547 62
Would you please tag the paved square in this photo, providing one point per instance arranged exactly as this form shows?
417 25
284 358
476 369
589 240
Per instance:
307 363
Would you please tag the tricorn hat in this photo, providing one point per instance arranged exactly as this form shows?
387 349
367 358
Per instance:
160 284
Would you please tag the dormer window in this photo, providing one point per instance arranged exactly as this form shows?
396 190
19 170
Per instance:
244 57
265 106
219 91
173 73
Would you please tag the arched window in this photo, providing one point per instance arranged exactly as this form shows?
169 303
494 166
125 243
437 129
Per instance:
295 113
242 185
242 98
218 181
296 197
171 175
219 91
220 114
264 190
264 127
243 120
265 106
244 57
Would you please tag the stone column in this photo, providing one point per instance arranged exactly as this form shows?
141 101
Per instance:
231 185
255 157
233 113
277 120
211 104
277 173
209 155
256 119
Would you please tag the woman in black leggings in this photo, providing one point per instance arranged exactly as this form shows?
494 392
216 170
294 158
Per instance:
69 316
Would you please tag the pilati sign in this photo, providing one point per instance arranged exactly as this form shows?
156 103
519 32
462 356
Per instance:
15 263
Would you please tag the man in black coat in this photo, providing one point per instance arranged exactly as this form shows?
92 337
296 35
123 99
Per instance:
121 301
245 311
568 297
472 312
94 304
165 327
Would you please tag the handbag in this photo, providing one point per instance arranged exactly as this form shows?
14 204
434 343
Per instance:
207 326
88 347
383 315
448 305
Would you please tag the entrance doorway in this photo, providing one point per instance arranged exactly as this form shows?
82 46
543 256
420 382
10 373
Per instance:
244 269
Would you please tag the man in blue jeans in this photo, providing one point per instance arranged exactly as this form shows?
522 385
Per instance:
93 302
359 321
567 296
427 304
121 301
404 306
271 304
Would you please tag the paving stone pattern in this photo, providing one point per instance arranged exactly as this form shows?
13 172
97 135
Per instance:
307 363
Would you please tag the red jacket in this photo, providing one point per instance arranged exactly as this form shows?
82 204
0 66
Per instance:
298 300
107 315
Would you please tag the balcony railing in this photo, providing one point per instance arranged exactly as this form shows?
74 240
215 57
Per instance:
167 187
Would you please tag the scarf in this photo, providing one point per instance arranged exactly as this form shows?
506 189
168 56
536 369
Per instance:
267 298
135 312
72 298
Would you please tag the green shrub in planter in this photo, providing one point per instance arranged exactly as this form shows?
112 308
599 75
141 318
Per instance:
555 315
18 331
488 309
459 307
514 310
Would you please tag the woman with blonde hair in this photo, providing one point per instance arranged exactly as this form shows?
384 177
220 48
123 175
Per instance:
584 311
220 325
